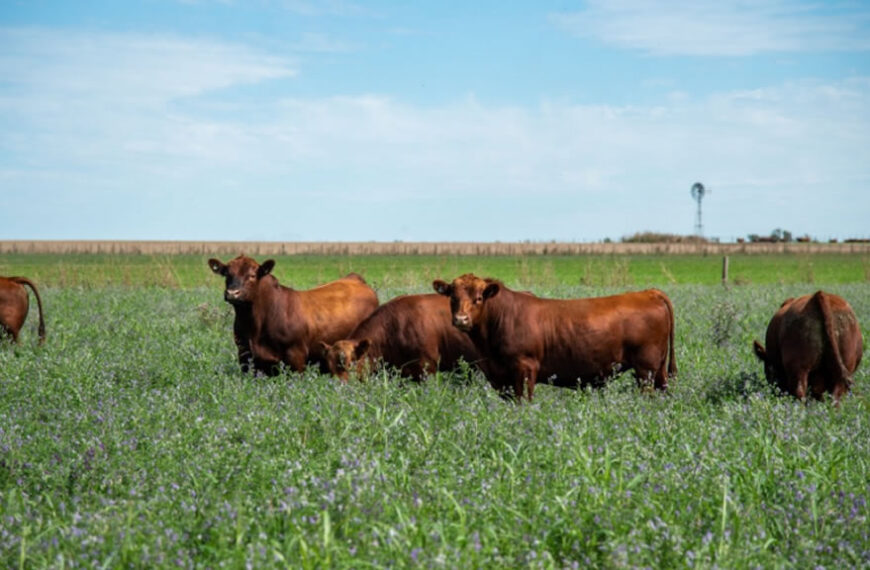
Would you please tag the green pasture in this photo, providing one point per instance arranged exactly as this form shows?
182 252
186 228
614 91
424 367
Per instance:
186 271
131 439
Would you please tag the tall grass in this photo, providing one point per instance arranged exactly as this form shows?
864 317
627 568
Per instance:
131 439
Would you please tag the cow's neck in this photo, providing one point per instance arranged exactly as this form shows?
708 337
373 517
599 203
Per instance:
270 304
490 330
376 334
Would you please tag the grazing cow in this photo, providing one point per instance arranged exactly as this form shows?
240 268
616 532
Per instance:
813 343
413 333
277 324
564 342
14 305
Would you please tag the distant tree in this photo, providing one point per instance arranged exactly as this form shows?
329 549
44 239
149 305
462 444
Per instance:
781 235
656 237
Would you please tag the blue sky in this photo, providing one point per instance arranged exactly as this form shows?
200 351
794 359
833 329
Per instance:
342 120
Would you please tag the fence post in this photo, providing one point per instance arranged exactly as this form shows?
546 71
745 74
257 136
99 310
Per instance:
725 270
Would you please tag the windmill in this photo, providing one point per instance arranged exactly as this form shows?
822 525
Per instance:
698 192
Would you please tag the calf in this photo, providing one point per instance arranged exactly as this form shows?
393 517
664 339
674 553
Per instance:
813 343
412 333
276 324
564 342
14 305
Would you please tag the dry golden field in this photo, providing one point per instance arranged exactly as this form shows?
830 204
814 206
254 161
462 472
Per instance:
419 248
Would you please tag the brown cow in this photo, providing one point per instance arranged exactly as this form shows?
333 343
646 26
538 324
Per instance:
413 333
14 305
567 342
277 324
813 343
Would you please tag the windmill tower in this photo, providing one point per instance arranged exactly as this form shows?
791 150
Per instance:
698 192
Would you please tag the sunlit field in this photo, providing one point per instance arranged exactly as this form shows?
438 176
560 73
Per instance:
131 438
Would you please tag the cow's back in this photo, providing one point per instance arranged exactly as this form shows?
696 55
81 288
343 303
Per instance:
414 328
333 310
580 338
813 340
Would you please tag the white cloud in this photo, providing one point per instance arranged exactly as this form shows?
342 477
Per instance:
129 67
164 144
721 28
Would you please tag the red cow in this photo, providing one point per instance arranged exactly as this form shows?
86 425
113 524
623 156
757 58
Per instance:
813 343
277 324
564 342
14 305
413 333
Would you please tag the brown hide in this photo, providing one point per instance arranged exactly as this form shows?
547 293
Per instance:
570 342
813 345
14 305
412 333
277 324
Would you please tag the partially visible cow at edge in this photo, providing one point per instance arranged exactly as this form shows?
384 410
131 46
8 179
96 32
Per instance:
14 305
813 345
413 333
277 324
567 343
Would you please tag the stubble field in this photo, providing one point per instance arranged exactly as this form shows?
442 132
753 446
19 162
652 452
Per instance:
132 439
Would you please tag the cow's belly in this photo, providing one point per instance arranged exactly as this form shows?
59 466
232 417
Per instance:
572 364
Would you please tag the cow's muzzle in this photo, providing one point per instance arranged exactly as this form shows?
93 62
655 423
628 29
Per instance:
462 322
233 295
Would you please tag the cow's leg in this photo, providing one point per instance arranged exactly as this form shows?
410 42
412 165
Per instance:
427 366
526 377
650 364
246 357
800 383
661 376
6 332
644 377
264 367
817 386
840 388
296 358
415 370
500 384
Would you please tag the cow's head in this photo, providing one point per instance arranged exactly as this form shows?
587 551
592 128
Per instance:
343 356
467 295
241 275
761 353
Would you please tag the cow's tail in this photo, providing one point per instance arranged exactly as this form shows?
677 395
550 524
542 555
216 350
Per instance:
838 369
29 283
672 362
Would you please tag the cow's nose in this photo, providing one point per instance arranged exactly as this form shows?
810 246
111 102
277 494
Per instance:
232 293
461 320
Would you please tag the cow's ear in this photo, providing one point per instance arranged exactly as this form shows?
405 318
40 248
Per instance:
491 290
362 347
324 347
760 352
442 287
265 268
217 266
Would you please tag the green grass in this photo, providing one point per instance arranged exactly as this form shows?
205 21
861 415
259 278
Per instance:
131 439
413 272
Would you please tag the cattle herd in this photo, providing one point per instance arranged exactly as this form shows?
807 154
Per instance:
517 339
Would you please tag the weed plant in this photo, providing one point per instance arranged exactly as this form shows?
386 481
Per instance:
131 439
